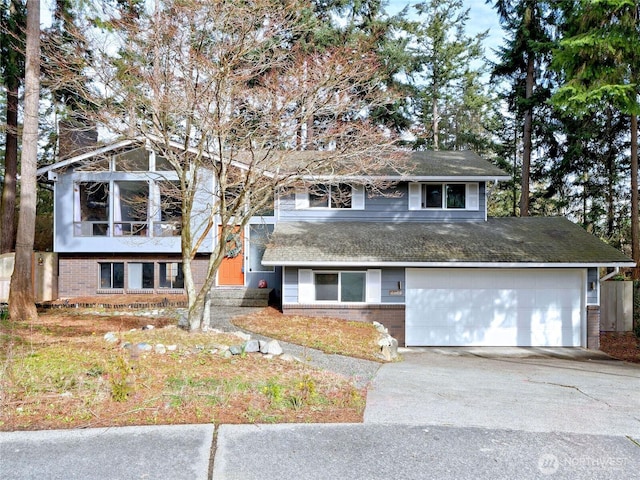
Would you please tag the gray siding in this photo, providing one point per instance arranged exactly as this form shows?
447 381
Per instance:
391 206
390 279
592 294
66 242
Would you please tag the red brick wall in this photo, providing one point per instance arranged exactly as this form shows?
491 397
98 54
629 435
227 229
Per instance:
391 315
593 327
79 275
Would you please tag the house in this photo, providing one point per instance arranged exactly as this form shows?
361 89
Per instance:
418 255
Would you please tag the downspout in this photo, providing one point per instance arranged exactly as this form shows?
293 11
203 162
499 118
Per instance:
610 275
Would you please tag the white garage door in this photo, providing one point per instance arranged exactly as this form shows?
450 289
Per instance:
494 307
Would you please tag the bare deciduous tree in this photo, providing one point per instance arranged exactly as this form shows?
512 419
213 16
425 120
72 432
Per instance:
223 92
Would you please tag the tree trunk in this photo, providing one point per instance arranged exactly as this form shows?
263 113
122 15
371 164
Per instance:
635 225
8 204
21 298
436 121
527 140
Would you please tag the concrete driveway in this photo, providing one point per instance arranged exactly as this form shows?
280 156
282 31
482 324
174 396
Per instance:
529 389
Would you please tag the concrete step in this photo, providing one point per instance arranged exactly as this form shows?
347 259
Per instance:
240 297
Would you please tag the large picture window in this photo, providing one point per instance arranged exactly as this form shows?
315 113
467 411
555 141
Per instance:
444 195
91 209
340 286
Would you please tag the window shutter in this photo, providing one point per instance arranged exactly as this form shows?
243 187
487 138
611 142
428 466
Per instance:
357 197
473 200
374 285
306 292
302 200
415 196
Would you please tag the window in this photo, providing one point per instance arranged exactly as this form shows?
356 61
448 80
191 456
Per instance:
130 208
171 275
337 196
140 275
112 275
340 286
444 196
330 196
163 165
91 209
170 217
133 161
258 238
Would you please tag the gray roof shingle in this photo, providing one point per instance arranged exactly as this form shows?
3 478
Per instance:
532 240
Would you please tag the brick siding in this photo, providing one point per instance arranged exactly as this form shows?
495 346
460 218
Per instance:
79 276
391 315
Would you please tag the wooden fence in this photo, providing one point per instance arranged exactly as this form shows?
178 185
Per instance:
616 306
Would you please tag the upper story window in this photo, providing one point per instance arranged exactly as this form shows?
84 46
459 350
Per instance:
127 208
443 196
335 196
133 161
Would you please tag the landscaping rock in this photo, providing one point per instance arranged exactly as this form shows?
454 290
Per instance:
263 346
274 348
172 348
148 327
160 349
235 349
252 346
111 337
144 347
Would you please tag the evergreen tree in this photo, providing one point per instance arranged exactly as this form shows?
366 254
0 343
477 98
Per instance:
523 63
450 97
12 27
599 58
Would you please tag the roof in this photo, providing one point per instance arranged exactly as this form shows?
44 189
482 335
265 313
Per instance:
500 242
420 165
453 164
406 165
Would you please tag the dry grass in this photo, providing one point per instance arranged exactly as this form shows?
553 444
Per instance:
330 335
59 372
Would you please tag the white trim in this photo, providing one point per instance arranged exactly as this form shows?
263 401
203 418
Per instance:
472 200
306 287
357 197
415 196
84 156
405 178
360 264
374 286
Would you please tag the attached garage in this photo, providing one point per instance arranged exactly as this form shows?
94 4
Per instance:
530 281
495 307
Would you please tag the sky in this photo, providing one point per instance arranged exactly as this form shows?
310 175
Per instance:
481 17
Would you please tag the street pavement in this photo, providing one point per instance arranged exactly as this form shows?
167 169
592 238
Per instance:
441 413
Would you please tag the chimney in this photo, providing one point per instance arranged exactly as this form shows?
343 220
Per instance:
75 136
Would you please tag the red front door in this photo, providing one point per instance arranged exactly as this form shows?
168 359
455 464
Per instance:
231 271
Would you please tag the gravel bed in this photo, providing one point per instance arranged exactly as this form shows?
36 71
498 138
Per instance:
360 371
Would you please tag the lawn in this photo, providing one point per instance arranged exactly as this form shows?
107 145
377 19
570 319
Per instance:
60 372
